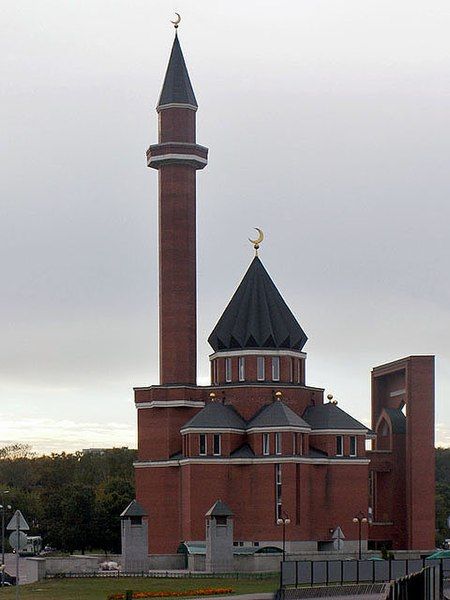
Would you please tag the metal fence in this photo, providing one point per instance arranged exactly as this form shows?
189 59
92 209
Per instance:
298 573
424 585
158 574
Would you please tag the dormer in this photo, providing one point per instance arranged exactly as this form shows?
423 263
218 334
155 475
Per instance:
214 432
276 430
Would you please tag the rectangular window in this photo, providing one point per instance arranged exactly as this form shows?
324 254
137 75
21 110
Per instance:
215 378
266 444
216 444
339 445
228 370
278 506
241 362
299 372
300 443
260 368
278 443
353 445
202 444
294 443
275 368
291 370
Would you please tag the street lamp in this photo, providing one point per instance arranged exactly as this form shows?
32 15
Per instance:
2 506
284 521
360 519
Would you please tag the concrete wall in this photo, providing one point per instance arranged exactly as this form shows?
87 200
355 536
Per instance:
167 562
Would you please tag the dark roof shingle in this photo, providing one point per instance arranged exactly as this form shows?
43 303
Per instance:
219 509
216 415
257 316
177 87
330 416
277 414
398 420
134 509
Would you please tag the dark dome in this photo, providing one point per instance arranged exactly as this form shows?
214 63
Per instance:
257 317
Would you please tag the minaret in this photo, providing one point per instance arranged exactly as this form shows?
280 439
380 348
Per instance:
177 157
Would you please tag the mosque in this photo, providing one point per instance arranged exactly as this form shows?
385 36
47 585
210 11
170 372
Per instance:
259 438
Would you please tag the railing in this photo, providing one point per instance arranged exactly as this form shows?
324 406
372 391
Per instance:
301 573
158 574
424 585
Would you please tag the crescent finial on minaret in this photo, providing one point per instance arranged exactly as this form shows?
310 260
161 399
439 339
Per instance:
177 20
256 243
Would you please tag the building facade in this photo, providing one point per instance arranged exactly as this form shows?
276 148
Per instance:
258 437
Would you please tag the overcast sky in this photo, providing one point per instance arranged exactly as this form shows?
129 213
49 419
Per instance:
328 126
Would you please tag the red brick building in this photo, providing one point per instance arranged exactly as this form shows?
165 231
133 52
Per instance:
258 437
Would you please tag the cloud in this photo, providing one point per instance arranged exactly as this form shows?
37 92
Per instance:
46 435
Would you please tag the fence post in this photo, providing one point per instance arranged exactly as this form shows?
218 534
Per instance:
296 574
342 572
312 573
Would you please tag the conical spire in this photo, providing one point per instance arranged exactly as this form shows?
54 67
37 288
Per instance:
257 317
177 88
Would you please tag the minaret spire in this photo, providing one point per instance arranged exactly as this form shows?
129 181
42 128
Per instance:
177 156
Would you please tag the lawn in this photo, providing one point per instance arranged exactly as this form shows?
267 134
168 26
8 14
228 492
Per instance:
98 589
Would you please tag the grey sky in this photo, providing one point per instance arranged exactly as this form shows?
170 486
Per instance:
328 126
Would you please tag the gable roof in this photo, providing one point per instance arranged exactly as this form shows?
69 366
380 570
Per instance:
277 414
134 509
257 316
216 415
219 509
330 416
177 87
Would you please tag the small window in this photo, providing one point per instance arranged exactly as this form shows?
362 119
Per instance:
215 378
278 505
228 370
299 371
202 444
241 368
260 368
291 370
278 443
135 520
221 520
275 368
339 445
216 444
353 451
266 444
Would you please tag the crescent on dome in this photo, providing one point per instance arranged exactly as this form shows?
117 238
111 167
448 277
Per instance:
258 240
177 21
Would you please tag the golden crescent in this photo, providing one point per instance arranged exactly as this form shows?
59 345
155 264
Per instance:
259 239
177 21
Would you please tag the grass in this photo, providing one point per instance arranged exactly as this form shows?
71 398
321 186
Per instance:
98 589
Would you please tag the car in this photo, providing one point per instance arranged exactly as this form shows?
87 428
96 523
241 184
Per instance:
9 579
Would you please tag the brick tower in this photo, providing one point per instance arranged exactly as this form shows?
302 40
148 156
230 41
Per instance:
177 157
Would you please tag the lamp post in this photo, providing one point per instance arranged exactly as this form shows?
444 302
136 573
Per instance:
2 494
360 519
284 520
